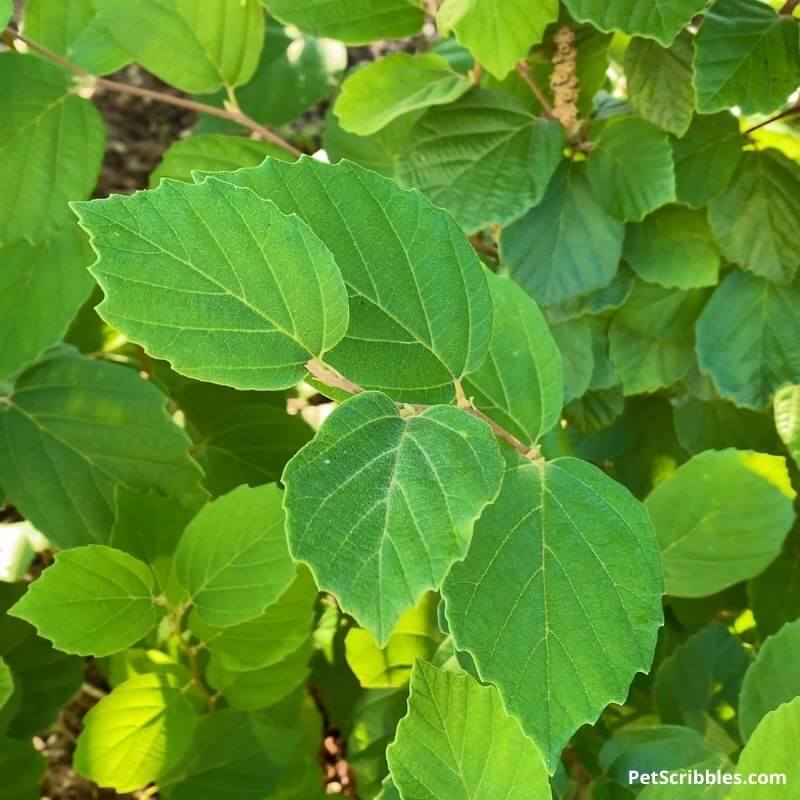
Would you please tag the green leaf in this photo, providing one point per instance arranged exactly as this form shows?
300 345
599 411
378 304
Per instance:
6 11
136 734
267 639
706 158
384 90
787 419
351 21
22 768
756 219
416 635
75 30
93 600
597 302
673 247
6 683
413 329
630 169
746 55
196 45
42 287
149 526
232 756
774 747
654 19
485 158
234 578
775 594
441 747
261 294
575 341
720 519
698 684
748 338
567 245
251 690
768 683
521 383
212 152
375 490
659 81
512 603
51 146
44 679
717 424
497 32
72 430
651 338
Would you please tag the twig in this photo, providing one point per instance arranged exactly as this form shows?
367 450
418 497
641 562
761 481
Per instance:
525 74
787 9
232 114
789 112
325 374
483 247
191 658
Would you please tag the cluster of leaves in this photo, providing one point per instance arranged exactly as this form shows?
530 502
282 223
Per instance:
467 559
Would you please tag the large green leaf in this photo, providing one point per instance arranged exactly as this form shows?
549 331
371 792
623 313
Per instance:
756 218
518 602
497 32
196 45
22 768
149 525
6 11
266 640
720 519
295 72
351 21
485 157
75 30
261 294
212 152
416 635
775 594
374 491
770 681
660 82
746 55
42 286
521 383
787 418
71 430
232 756
698 684
651 339
420 310
233 558
706 157
575 341
630 169
93 600
774 748
136 734
384 90
567 245
673 247
655 19
442 750
51 146
748 338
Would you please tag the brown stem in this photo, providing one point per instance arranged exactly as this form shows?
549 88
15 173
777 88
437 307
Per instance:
483 247
323 373
525 74
234 115
194 664
787 9
789 112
